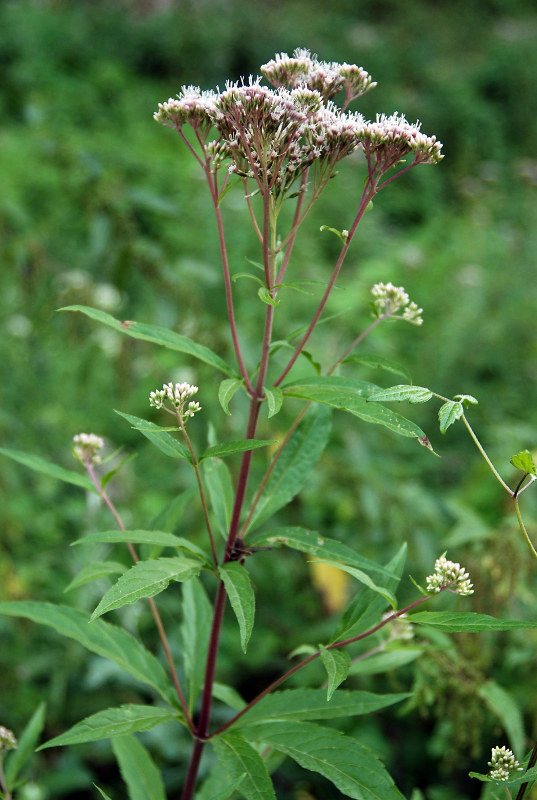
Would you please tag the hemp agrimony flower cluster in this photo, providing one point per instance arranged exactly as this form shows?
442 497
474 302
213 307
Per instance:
449 575
389 299
87 447
177 395
8 740
502 763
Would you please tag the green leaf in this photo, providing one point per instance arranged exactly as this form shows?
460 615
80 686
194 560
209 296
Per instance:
239 446
138 769
351 766
402 392
241 596
95 570
28 739
337 233
264 294
504 706
524 461
155 538
228 695
47 468
337 664
158 335
157 436
295 464
220 488
274 400
239 758
515 779
146 579
467 622
109 475
449 413
386 661
103 794
310 704
113 722
195 633
102 638
379 362
226 390
365 579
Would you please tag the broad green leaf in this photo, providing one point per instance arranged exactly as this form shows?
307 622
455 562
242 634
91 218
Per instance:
241 596
155 538
230 448
146 579
467 622
366 580
158 436
352 767
95 570
158 335
373 360
138 769
310 704
402 392
524 461
47 468
504 706
239 758
113 722
316 545
295 464
16 759
386 661
103 794
101 638
337 664
449 413
274 397
226 390
228 695
218 482
195 633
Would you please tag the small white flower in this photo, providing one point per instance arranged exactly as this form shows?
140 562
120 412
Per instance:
87 446
502 763
449 575
389 299
8 740
177 395
400 627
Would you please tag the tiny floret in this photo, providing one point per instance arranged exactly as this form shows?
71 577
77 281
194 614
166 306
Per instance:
502 763
449 575
87 447
8 740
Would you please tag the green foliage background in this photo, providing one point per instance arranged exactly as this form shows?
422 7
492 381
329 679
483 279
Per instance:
100 206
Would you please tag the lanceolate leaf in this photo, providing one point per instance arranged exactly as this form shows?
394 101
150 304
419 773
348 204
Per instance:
503 704
337 664
103 794
349 765
274 400
113 722
220 488
47 468
100 637
241 596
226 391
16 759
467 622
165 442
138 769
146 579
239 758
396 394
365 579
158 335
449 413
230 448
387 661
95 570
195 633
156 538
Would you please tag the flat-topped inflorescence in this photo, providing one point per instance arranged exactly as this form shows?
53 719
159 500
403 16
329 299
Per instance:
449 575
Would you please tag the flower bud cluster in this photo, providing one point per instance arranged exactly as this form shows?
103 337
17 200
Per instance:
177 394
400 627
449 575
192 106
8 740
87 446
502 763
393 137
389 299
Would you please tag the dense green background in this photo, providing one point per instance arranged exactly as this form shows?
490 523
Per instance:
99 205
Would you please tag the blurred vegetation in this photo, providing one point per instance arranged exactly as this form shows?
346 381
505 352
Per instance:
100 206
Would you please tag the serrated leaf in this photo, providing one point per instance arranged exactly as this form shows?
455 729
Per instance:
239 758
337 664
146 579
113 722
466 399
241 596
504 706
47 468
449 413
379 362
524 461
195 633
226 390
366 580
387 661
467 622
138 769
157 436
95 570
274 397
402 392
230 448
155 538
157 335
101 638
352 767
16 759
218 482
264 294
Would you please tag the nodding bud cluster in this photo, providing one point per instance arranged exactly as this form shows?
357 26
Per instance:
449 575
399 628
389 299
8 740
502 763
87 448
177 394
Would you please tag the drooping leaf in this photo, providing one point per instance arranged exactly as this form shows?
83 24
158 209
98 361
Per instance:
467 621
95 570
503 704
113 722
138 769
230 448
16 759
274 397
218 481
155 538
295 465
39 464
352 767
387 661
226 390
361 576
449 413
337 664
524 461
239 758
101 638
241 596
146 579
195 633
158 436
158 335
402 392
379 362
